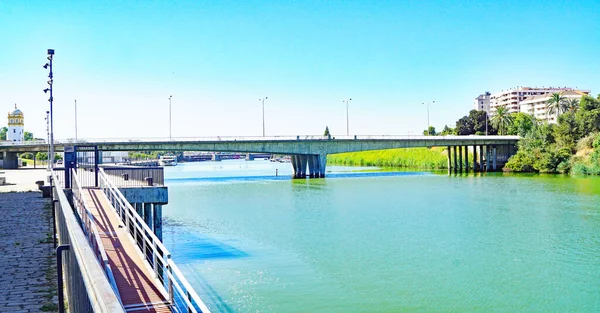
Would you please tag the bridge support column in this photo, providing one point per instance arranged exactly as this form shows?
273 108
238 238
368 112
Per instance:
157 214
322 162
303 164
474 159
249 157
481 169
494 159
449 160
460 162
487 158
312 173
148 215
139 209
466 159
455 160
10 160
216 157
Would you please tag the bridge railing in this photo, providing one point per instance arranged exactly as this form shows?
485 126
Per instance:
135 176
87 287
90 229
181 295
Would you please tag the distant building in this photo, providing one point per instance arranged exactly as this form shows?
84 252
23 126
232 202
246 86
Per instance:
538 105
482 102
512 98
15 126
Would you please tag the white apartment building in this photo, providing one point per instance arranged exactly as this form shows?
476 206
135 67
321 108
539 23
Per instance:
482 102
511 98
538 105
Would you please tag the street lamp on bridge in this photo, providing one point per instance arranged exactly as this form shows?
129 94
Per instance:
263 112
51 100
170 138
347 118
433 102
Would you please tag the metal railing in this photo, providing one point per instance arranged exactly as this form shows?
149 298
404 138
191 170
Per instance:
88 288
176 288
254 138
90 229
135 176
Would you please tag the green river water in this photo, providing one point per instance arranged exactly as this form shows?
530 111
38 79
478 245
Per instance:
383 241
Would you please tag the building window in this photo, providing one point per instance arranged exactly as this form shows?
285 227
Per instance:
14 130
11 120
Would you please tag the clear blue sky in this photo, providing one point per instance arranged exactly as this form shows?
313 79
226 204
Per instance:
122 60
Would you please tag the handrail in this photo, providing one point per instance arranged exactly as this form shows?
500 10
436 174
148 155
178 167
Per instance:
88 289
90 228
158 259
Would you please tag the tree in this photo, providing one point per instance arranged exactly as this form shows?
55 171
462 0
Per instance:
522 124
41 156
430 131
571 105
447 131
28 136
474 123
502 120
3 131
326 133
555 103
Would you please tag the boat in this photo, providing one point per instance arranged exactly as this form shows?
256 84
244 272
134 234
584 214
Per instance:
167 160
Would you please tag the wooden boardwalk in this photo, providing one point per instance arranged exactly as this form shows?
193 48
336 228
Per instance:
135 282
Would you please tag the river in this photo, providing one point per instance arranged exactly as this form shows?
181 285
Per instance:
372 241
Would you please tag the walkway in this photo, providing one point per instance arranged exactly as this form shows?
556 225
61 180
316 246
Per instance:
27 261
134 281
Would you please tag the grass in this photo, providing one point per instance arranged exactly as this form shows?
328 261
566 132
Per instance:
418 158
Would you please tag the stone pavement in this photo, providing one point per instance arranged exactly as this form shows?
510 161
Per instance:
27 258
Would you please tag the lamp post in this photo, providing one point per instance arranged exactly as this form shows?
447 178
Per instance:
263 112
48 134
347 118
487 108
75 120
170 138
433 102
51 99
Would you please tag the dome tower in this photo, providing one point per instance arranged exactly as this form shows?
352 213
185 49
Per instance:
15 126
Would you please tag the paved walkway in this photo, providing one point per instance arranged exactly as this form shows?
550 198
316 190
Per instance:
23 179
27 260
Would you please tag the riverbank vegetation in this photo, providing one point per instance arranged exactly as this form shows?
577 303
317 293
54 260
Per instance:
573 144
418 158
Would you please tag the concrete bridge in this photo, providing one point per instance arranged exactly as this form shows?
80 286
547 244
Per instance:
309 153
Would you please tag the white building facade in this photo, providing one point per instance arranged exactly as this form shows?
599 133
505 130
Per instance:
15 126
482 102
538 105
512 98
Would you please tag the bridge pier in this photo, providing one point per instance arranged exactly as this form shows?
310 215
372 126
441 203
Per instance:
481 168
249 157
312 165
494 159
216 157
10 160
474 159
449 160
455 160
487 158
460 162
466 159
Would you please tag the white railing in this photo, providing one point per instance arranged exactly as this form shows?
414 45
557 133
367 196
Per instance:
86 284
176 288
91 230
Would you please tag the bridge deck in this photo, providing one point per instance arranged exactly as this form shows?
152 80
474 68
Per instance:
134 281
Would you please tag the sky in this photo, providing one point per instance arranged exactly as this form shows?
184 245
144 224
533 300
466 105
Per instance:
121 60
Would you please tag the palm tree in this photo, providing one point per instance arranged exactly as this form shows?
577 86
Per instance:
571 105
555 103
502 119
